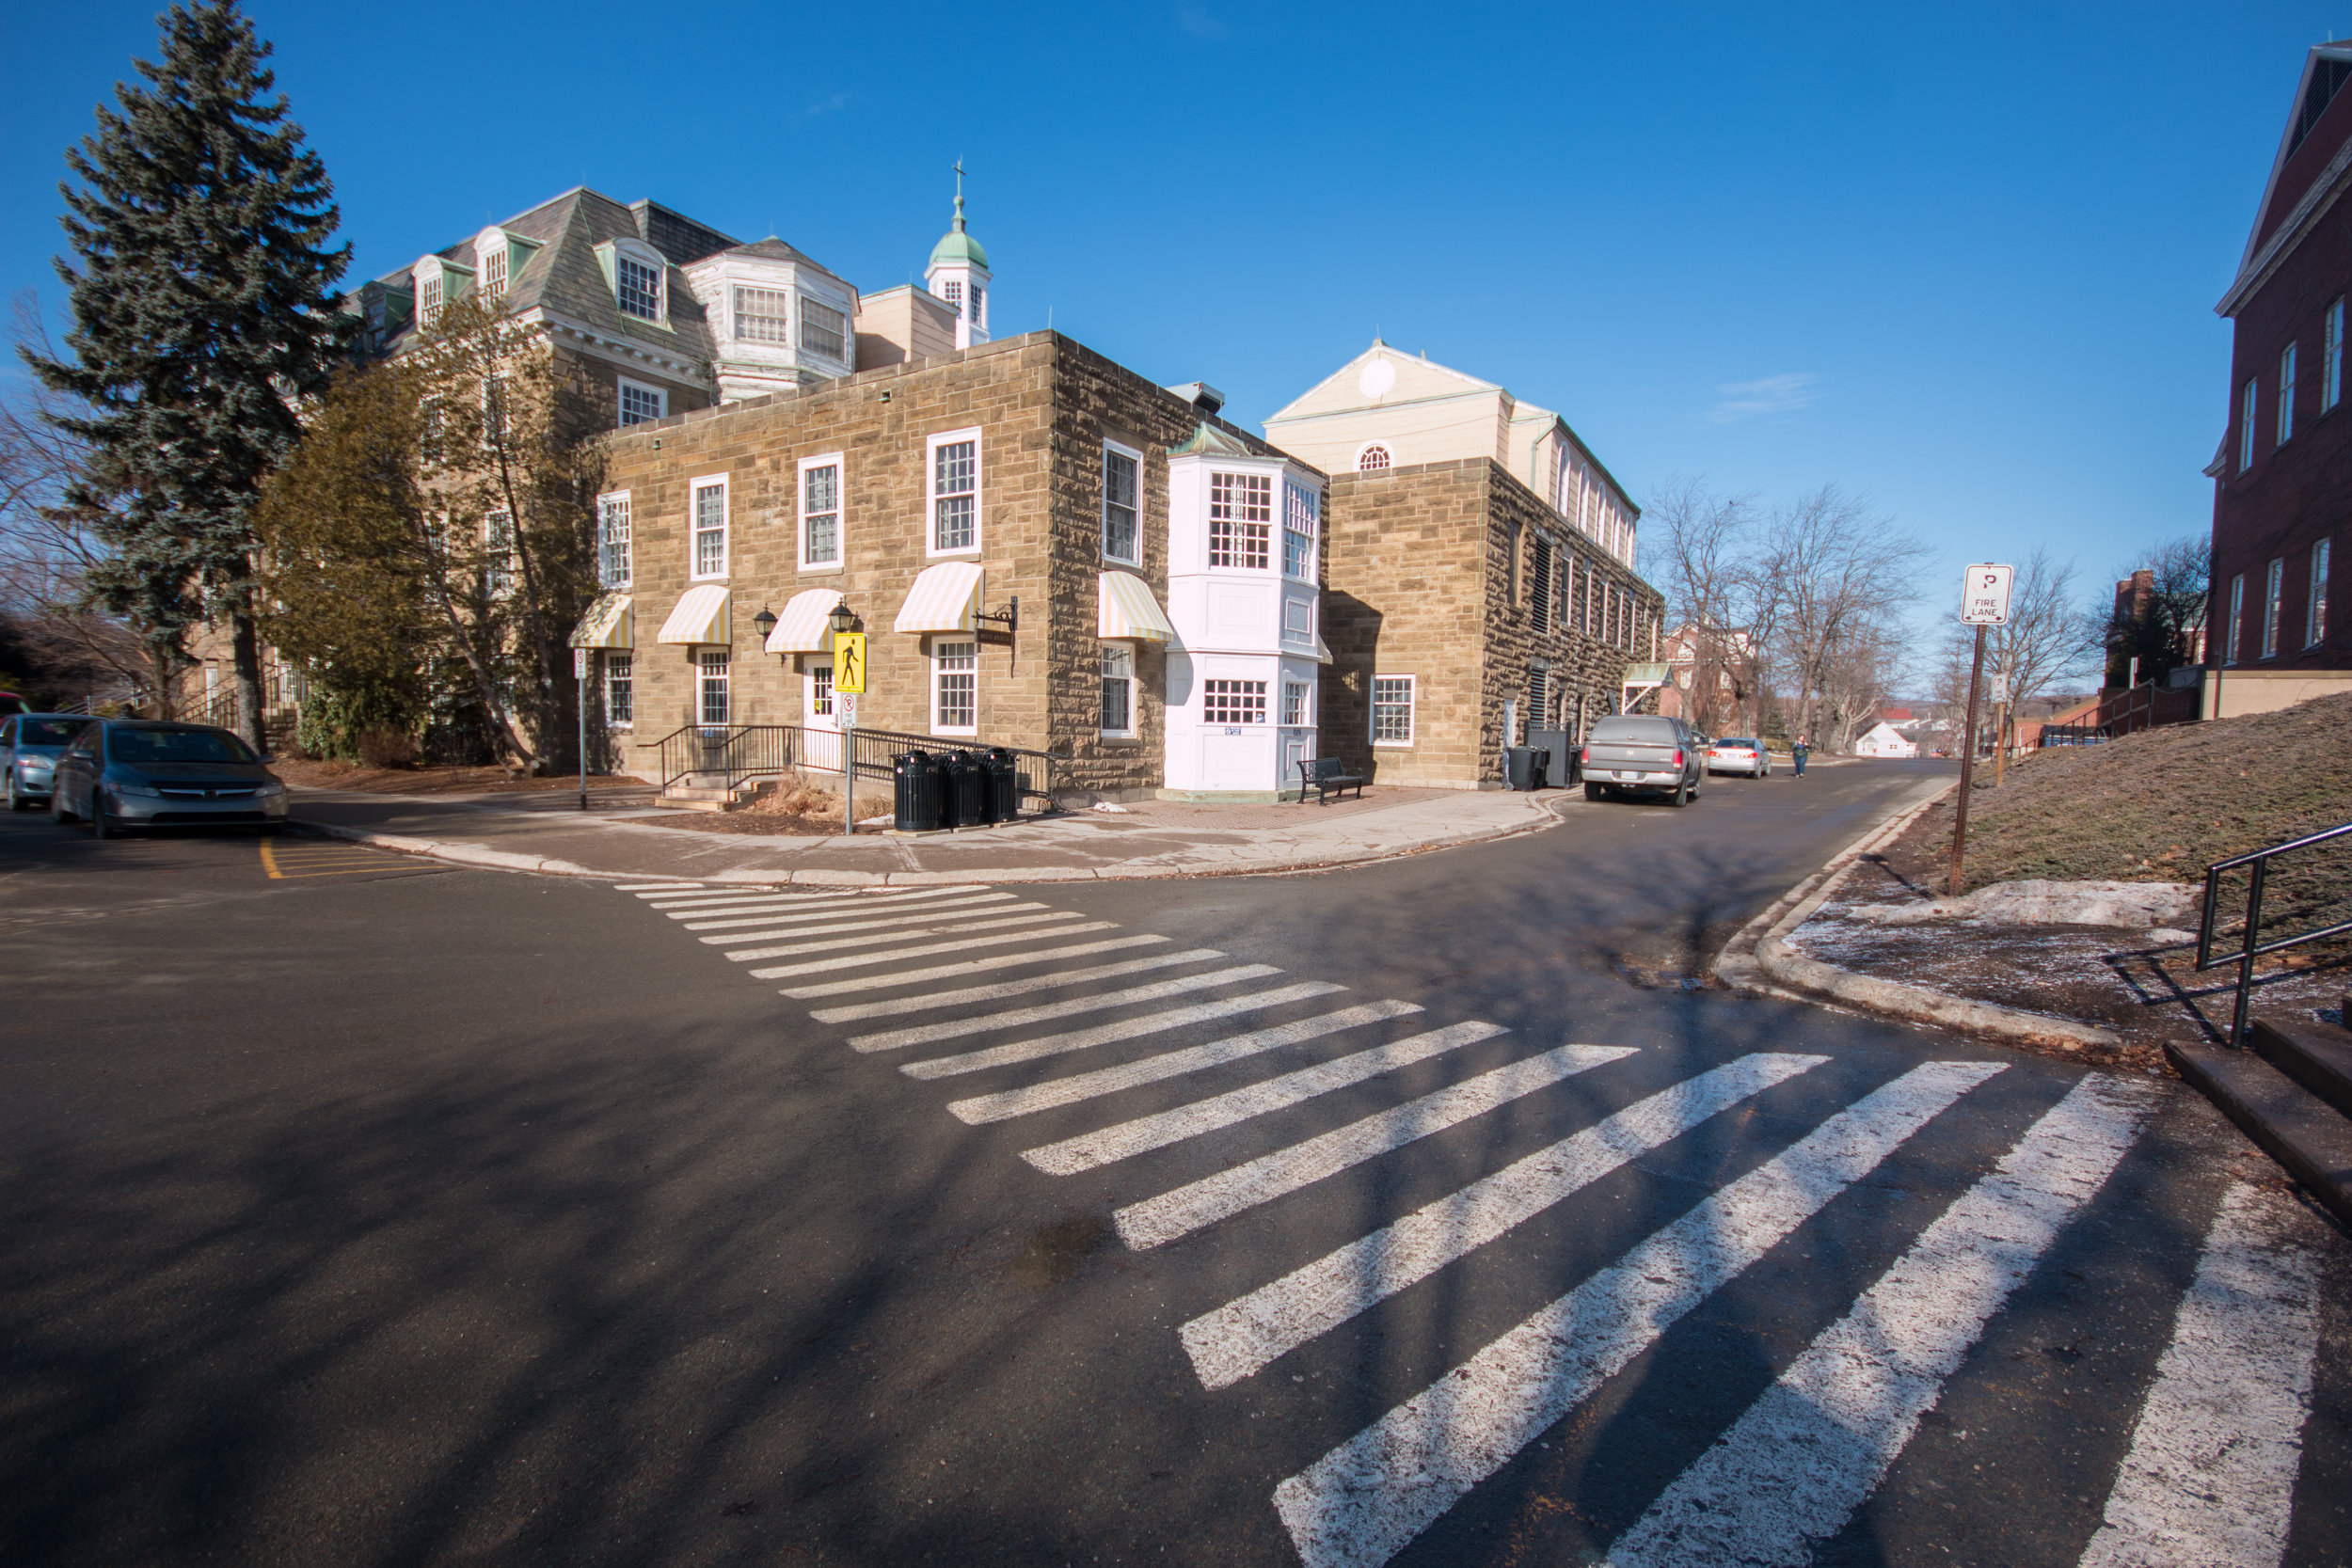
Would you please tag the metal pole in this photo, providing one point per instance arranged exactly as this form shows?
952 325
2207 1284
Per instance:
849 778
579 679
2246 965
1967 767
2000 743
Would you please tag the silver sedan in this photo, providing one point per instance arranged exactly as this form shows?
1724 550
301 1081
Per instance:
125 773
1739 753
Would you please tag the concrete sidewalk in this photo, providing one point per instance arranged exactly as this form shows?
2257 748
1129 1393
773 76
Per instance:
622 836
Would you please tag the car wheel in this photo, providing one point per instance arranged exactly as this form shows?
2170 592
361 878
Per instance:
16 801
1593 791
1682 794
57 804
100 825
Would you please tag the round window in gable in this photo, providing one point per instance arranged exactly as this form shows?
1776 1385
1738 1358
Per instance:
1371 459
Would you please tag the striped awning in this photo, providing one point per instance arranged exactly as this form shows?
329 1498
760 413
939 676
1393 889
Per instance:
1129 613
806 627
942 599
607 625
1322 652
700 618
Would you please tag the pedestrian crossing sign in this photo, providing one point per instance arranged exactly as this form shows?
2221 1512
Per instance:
849 662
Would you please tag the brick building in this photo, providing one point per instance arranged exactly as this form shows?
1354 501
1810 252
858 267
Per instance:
2282 480
1477 579
1028 475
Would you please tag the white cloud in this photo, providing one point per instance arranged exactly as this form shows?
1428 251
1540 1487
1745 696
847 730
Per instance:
1775 394
1196 21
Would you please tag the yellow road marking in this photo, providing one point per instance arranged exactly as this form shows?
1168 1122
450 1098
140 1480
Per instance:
322 861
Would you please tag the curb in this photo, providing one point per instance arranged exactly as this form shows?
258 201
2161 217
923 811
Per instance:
484 858
1760 948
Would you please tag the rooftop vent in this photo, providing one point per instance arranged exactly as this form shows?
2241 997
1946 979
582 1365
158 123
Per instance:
1200 395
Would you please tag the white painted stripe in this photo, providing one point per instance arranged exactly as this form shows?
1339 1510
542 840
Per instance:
837 902
794 919
1089 1149
927 929
1556 1170
1361 1503
1812 1449
969 966
1003 990
646 890
2210 1478
859 961
824 925
1104 1033
1172 1064
980 1023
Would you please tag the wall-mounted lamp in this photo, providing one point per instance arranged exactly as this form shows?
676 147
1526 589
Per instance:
843 618
765 622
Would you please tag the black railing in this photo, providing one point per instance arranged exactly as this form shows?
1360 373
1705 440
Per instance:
728 756
2251 946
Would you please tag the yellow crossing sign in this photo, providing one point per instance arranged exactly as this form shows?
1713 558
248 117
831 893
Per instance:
849 662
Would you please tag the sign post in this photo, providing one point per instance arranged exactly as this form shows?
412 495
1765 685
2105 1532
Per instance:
848 685
579 679
1983 602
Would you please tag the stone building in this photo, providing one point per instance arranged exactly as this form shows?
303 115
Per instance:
1007 522
1464 606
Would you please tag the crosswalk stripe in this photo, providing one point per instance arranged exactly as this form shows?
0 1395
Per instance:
788 919
646 890
1128 1138
1003 990
858 960
971 966
1812 1449
1172 1064
1360 1504
2210 1478
932 915
711 903
1104 1034
930 927
980 1023
1549 1174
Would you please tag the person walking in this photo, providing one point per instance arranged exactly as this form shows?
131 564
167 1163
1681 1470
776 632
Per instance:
1798 753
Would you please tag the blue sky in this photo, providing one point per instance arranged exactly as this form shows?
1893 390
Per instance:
1960 259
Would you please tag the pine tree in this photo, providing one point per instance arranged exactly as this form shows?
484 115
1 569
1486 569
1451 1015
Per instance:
202 313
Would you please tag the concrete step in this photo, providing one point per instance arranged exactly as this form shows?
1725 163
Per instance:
2312 1055
2294 1126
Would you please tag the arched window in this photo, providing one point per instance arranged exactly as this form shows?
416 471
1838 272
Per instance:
1371 459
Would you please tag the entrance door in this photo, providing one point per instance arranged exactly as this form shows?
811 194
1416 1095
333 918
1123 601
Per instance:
821 750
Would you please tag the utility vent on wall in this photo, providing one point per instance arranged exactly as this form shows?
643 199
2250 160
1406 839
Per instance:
1200 395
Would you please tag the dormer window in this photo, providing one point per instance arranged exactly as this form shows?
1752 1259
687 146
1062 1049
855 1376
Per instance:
759 316
494 273
639 287
823 329
429 299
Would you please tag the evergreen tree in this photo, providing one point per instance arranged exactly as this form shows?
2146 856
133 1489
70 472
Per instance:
202 313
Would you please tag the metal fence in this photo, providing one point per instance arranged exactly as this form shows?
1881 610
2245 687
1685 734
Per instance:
2251 946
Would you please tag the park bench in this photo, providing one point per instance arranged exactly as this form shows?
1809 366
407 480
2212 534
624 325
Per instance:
1327 777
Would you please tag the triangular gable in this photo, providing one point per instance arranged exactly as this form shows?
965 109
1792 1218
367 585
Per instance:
1415 378
2319 125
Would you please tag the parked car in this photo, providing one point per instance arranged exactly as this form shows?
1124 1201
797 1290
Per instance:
1739 753
29 746
123 773
1643 754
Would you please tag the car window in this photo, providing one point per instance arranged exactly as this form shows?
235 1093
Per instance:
147 747
1638 728
48 732
84 744
8 733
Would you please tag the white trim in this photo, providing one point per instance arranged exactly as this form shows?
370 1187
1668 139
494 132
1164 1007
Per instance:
931 489
694 488
620 401
628 542
1126 651
931 650
605 680
611 252
1412 711
840 467
2285 430
1104 531
1356 464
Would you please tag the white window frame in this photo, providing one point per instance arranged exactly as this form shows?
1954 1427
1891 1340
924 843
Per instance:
1124 654
606 541
620 401
2248 401
1386 448
938 656
1241 480
2331 357
628 684
494 259
1298 704
737 315
951 290
650 260
706 660
1412 701
1312 534
498 564
2316 600
839 466
809 305
1251 701
980 305
931 497
432 294
2237 618
2286 395
1135 556
2274 596
694 531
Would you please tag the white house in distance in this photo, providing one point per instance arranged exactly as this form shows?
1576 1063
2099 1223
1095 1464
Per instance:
1243 595
1880 740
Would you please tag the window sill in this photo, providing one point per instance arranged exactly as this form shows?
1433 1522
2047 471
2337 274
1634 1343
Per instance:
1121 738
709 576
822 569
1393 745
938 555
1110 560
955 735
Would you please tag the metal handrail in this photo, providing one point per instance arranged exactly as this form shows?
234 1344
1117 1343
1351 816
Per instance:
732 755
2250 946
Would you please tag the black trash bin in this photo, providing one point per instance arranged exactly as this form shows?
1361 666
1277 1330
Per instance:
1560 773
1004 786
963 785
915 778
1518 766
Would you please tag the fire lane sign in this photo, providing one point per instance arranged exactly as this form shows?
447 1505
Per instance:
1984 596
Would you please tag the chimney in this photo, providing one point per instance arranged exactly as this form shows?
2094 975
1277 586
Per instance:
1200 395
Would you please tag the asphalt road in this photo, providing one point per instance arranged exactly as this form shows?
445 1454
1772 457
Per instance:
364 1211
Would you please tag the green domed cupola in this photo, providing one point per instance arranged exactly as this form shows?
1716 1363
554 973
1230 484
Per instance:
959 274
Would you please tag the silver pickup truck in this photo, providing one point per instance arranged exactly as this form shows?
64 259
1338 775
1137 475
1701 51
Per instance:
1644 752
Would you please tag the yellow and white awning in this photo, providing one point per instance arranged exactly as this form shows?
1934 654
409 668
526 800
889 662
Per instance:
942 599
806 627
1129 613
607 625
700 618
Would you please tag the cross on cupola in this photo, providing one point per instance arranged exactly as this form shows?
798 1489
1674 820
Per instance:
959 274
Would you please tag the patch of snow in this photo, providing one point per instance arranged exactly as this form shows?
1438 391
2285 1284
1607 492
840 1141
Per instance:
1117 810
2037 902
